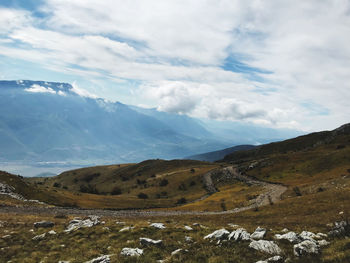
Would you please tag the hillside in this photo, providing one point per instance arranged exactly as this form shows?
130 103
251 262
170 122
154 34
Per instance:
218 155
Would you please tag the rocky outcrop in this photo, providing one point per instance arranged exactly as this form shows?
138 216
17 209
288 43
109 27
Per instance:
259 233
43 224
220 234
150 242
306 247
290 236
78 223
131 252
239 234
266 246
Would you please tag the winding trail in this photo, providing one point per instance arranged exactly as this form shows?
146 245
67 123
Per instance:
272 193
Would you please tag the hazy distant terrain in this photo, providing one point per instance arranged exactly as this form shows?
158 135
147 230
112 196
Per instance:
56 124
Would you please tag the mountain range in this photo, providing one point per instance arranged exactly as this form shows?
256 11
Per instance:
54 122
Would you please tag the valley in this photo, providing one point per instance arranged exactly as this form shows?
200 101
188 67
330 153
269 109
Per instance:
299 184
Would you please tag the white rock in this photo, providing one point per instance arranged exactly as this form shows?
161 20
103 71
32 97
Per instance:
239 234
275 259
306 235
131 252
178 251
323 243
321 235
52 232
218 234
306 247
101 259
188 228
39 237
285 230
259 233
233 225
124 229
290 236
120 223
63 261
158 225
266 246
188 239
147 242
78 223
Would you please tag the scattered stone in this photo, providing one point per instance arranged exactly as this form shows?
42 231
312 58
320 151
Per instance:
188 239
266 246
275 259
323 243
218 234
158 225
52 232
150 242
239 234
306 247
78 223
131 252
63 261
179 251
233 225
188 228
101 259
290 236
43 224
6 236
306 235
120 223
39 237
339 229
128 228
31 230
259 233
285 230
321 235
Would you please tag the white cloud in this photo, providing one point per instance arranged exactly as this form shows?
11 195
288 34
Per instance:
35 88
82 92
175 50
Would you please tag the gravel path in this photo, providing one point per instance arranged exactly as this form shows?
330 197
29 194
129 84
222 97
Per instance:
272 193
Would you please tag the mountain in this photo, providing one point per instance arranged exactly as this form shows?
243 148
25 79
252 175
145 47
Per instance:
47 122
55 123
331 140
218 155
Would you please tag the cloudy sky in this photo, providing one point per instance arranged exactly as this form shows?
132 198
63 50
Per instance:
278 63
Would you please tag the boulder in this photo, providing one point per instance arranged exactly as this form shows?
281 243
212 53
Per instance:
39 237
306 247
266 246
78 223
43 224
323 243
150 242
275 259
340 229
131 252
52 232
220 234
290 236
101 259
306 235
124 229
259 233
239 234
179 251
158 225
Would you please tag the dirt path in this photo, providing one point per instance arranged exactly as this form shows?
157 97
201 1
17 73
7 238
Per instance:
272 193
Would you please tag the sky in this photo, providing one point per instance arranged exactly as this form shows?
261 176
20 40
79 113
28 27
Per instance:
278 63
